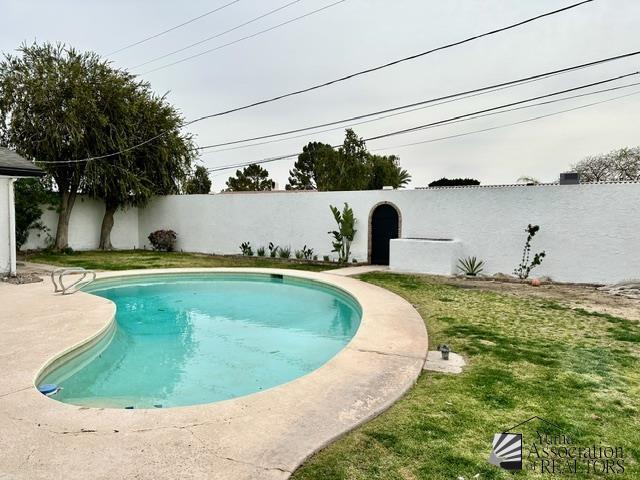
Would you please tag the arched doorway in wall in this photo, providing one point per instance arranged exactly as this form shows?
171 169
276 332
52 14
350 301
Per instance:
384 225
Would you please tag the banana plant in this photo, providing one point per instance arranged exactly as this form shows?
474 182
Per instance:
345 234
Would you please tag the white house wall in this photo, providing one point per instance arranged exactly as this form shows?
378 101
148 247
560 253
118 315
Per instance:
591 233
5 243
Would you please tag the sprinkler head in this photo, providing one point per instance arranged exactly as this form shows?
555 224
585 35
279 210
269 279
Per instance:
444 351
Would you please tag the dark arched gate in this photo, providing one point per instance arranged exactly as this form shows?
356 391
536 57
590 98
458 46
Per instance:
385 225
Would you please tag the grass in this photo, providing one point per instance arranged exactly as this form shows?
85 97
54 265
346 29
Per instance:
136 259
526 357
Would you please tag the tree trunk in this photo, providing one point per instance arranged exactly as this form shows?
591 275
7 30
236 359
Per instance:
107 225
62 232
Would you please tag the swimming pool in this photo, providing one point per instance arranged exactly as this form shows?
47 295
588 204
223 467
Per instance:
186 339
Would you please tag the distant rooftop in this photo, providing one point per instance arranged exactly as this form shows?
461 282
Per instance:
13 165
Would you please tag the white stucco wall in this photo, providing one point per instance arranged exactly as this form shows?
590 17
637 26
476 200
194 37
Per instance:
5 243
84 227
591 233
439 257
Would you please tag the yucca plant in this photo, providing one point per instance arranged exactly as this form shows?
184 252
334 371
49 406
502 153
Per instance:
260 251
470 266
284 252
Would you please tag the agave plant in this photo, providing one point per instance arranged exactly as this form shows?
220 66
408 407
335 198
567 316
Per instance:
470 266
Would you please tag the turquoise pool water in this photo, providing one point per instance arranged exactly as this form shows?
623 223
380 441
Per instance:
198 338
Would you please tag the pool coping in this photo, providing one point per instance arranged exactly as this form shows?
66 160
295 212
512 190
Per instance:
263 435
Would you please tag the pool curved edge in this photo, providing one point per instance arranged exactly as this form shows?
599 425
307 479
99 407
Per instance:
272 431
105 334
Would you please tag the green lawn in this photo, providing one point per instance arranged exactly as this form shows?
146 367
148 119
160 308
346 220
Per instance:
134 259
526 357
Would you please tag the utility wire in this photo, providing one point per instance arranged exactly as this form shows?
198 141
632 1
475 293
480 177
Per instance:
449 123
497 127
430 102
427 125
420 127
341 79
456 119
217 35
261 32
390 64
126 47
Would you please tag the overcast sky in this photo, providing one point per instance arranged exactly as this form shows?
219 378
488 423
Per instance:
357 34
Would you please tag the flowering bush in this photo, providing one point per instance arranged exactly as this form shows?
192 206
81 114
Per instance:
163 240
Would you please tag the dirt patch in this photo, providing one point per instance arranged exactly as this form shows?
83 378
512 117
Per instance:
587 297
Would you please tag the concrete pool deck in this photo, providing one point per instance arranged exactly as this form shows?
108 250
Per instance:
265 435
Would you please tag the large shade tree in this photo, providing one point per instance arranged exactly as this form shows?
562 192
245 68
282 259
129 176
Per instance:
157 167
349 167
60 105
250 179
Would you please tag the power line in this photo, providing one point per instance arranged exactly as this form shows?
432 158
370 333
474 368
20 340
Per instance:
430 102
390 64
427 125
341 79
261 32
217 35
456 119
514 123
173 28
448 123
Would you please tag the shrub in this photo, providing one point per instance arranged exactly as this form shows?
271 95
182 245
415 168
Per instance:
245 248
163 240
524 269
325 258
261 251
284 252
273 250
470 266
299 254
307 253
30 194
454 182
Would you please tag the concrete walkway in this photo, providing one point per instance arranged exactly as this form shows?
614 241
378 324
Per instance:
265 435
349 271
